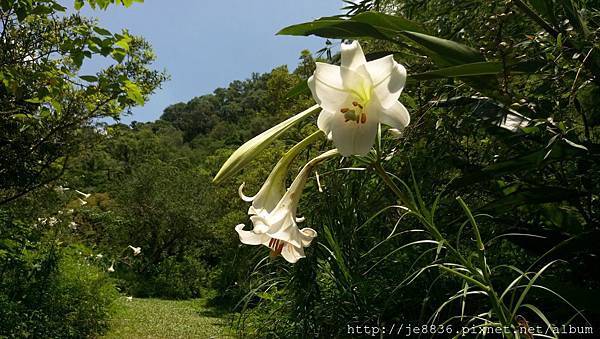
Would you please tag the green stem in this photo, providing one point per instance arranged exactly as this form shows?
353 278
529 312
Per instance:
390 183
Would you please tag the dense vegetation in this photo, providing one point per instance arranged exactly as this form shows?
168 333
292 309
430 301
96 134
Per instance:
508 124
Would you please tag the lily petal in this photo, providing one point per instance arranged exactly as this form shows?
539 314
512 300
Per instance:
396 116
260 224
353 139
327 87
389 78
242 195
251 238
308 234
292 254
352 55
357 81
324 122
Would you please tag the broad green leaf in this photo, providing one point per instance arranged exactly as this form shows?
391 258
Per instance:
89 78
79 4
334 28
476 69
123 42
464 70
389 25
391 28
133 92
249 150
102 31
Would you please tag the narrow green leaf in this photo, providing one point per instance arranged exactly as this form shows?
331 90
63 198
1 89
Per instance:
528 287
451 51
542 316
89 78
575 18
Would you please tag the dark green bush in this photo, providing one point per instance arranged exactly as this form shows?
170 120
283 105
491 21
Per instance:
47 291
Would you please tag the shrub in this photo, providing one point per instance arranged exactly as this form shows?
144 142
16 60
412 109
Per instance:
53 292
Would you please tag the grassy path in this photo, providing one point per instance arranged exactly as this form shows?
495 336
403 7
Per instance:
155 318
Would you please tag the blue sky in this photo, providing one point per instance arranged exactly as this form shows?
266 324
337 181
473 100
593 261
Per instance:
207 44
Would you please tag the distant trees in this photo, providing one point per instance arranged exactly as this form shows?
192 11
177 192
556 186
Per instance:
45 102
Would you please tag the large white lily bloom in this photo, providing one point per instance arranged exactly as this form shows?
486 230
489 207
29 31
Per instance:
278 228
356 96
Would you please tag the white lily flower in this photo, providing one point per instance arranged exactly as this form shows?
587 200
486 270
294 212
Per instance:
273 188
84 195
356 97
111 269
278 228
61 189
136 250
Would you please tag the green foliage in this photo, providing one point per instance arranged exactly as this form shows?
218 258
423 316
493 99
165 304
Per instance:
501 116
51 285
151 184
48 106
53 292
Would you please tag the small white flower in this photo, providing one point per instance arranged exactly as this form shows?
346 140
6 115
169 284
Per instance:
99 256
84 195
111 269
73 225
129 298
61 189
52 221
136 250
356 97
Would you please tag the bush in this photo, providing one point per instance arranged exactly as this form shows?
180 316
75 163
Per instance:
172 278
53 292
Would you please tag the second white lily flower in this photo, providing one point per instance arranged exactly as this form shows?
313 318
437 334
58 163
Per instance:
278 229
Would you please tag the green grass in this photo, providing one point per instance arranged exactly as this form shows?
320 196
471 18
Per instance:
155 318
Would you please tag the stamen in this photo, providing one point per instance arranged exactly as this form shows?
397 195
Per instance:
354 103
357 115
276 246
